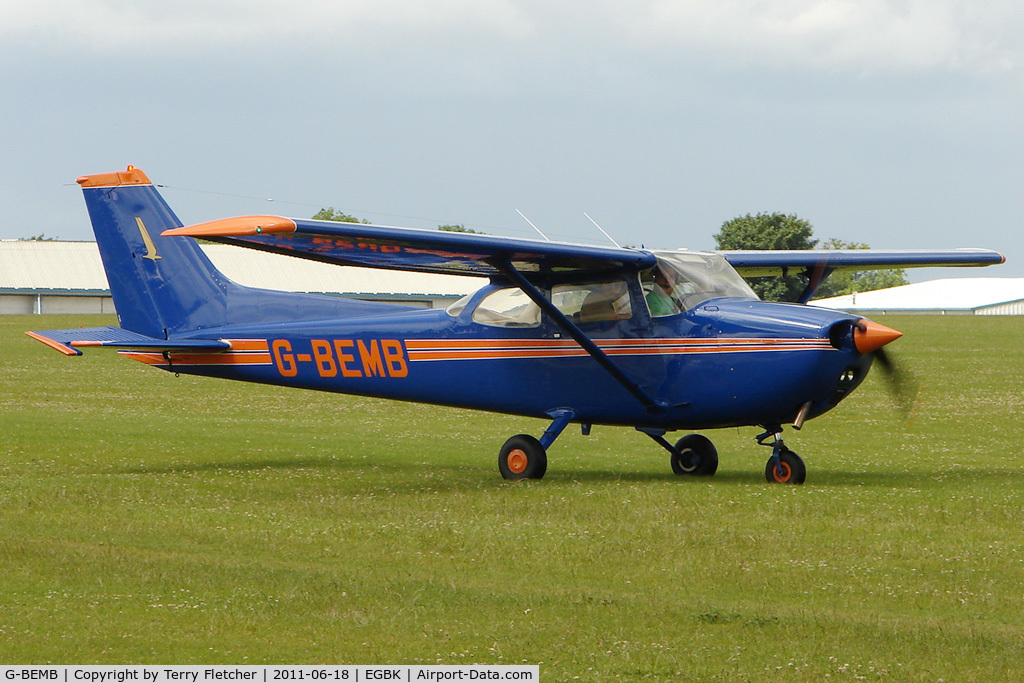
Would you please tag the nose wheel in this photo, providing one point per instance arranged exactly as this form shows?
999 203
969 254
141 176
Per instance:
789 469
785 466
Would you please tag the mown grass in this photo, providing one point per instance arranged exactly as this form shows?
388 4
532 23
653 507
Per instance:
146 518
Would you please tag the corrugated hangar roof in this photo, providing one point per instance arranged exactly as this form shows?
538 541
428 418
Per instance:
76 266
43 265
967 294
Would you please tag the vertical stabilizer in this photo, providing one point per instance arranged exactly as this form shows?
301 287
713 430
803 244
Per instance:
160 285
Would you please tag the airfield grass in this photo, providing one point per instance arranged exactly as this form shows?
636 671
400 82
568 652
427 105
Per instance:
153 519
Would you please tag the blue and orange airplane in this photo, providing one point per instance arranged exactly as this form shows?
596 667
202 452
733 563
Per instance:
656 340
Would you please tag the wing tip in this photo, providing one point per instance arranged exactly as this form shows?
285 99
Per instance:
236 227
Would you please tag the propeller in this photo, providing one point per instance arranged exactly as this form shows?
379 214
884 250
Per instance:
871 337
902 385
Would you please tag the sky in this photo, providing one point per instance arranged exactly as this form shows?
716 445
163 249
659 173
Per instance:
893 123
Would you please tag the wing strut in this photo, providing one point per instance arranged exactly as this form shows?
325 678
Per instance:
816 277
508 269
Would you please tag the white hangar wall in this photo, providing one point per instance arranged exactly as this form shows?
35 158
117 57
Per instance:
68 277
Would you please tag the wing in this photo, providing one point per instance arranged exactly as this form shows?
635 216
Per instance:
766 263
428 251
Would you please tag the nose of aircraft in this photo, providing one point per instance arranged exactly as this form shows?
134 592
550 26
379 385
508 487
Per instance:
870 336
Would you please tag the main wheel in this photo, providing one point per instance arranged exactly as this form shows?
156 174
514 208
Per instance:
522 457
696 456
791 469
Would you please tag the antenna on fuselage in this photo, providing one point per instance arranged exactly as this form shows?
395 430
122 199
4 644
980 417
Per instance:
532 225
612 239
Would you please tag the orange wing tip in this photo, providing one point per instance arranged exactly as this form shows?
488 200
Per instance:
131 176
56 345
238 226
870 336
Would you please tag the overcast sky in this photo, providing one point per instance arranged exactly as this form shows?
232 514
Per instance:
896 123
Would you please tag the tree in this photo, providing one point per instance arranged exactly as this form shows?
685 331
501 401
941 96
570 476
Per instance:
458 228
781 231
332 214
769 231
847 282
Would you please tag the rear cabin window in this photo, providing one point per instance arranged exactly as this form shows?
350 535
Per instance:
507 308
581 303
594 301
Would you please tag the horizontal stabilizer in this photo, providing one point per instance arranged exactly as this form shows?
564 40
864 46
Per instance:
69 341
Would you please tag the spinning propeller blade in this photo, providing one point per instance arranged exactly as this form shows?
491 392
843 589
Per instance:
871 337
902 385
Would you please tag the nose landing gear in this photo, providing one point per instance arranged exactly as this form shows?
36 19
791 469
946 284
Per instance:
784 466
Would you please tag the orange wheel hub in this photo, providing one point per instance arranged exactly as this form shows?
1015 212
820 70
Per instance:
517 461
786 472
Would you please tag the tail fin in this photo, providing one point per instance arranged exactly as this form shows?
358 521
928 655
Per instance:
160 285
164 286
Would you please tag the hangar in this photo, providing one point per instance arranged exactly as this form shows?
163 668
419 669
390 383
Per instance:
67 277
39 276
949 296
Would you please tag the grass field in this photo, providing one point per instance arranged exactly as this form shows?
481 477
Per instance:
151 519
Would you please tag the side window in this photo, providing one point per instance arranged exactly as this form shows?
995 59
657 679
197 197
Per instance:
663 291
507 308
455 309
594 301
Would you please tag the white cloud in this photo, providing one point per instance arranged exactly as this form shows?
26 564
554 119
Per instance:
848 35
856 36
118 25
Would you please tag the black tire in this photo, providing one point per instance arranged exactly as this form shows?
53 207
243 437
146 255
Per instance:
522 457
697 456
792 468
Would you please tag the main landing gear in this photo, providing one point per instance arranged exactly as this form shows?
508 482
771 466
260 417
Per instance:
693 454
524 457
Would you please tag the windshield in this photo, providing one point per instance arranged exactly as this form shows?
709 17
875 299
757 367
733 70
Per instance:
684 279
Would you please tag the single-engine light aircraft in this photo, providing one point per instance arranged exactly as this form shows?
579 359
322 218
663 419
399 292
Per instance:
656 340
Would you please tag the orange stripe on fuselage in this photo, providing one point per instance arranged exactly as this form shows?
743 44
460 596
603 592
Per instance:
243 352
225 358
496 349
257 351
248 344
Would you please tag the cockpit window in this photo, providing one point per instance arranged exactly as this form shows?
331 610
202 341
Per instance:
682 280
509 307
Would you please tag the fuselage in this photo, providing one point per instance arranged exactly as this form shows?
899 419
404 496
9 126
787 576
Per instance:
724 361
